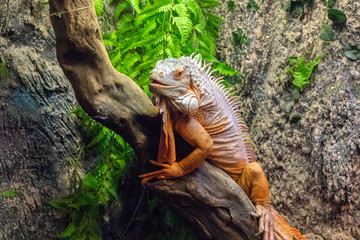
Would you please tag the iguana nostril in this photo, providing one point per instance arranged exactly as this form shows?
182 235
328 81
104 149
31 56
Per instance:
161 74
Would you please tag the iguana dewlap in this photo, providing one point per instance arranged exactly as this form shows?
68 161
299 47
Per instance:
206 115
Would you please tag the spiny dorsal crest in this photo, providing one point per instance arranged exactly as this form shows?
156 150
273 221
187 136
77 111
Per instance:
201 75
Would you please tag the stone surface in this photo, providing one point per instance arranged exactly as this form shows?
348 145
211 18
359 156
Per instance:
38 135
313 171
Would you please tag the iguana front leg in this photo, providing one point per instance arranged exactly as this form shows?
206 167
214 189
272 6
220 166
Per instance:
192 132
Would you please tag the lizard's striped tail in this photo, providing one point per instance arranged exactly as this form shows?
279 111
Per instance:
281 226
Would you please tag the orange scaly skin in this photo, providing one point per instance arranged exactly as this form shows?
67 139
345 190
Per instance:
200 109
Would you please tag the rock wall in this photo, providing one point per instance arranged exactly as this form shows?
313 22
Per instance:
38 136
314 168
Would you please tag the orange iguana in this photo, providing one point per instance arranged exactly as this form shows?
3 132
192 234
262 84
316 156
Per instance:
206 115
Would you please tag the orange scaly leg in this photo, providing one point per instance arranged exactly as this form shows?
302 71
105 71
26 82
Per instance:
192 132
253 181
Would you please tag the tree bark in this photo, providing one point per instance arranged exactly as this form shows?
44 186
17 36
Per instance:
38 136
213 202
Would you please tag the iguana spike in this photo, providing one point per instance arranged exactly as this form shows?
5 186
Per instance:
196 59
206 65
210 73
218 80
209 68
228 90
206 81
233 93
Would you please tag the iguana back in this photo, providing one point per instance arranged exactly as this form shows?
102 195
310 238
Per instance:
218 112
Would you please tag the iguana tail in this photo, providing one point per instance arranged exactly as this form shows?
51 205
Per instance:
284 229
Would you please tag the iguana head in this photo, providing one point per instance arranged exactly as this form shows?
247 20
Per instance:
171 78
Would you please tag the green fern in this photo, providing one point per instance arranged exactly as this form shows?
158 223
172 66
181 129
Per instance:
68 231
99 7
10 193
300 71
141 33
150 35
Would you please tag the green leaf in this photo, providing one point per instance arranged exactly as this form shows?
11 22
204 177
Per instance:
68 231
239 38
299 8
327 33
336 16
303 71
10 193
287 7
184 25
293 60
330 3
307 3
288 105
99 7
90 182
252 6
3 70
352 52
295 121
295 93
231 6
135 4
119 9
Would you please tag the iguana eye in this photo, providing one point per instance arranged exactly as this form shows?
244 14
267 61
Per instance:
179 72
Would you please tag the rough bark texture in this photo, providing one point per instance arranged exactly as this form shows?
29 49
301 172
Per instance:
212 211
38 136
108 96
117 102
313 171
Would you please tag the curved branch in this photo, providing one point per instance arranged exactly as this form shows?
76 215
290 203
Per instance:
211 202
208 198
108 96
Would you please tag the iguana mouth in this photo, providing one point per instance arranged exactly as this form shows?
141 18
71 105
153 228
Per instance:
154 81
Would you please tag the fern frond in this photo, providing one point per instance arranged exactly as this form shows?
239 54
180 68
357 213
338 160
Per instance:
102 135
213 18
99 7
10 193
115 56
135 4
148 27
90 182
68 231
224 69
131 59
119 9
151 10
184 25
201 26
